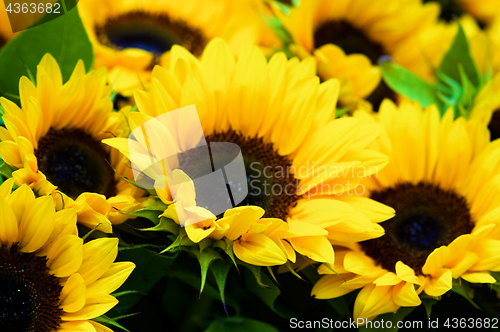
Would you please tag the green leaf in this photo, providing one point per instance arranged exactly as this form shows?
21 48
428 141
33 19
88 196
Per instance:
240 324
392 317
182 240
165 225
112 321
462 288
151 215
156 206
428 302
6 170
406 83
256 271
205 258
64 38
268 294
220 269
459 55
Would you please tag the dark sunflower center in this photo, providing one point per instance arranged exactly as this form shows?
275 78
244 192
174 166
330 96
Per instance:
353 40
2 42
154 33
349 38
494 125
381 92
75 162
427 217
29 295
449 9
270 183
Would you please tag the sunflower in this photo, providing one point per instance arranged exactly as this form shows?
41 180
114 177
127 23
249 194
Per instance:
348 37
447 223
281 117
130 37
54 140
484 11
49 279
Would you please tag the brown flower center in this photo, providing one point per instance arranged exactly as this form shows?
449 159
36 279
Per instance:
354 40
29 295
270 182
427 217
155 33
75 162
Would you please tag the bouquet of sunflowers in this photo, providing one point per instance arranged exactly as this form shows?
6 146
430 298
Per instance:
251 165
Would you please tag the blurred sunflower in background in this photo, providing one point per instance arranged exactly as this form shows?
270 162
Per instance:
447 224
257 104
53 140
130 37
348 37
49 279
485 11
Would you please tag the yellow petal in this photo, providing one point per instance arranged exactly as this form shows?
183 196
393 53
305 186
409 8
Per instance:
20 199
374 300
405 295
37 224
8 224
436 260
73 294
98 255
317 248
479 277
78 326
439 284
65 256
329 287
258 249
244 216
99 327
112 279
406 273
95 306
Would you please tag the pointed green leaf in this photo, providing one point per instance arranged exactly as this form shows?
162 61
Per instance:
268 295
289 267
6 170
182 240
462 288
206 257
272 274
256 271
153 216
459 54
406 83
112 321
165 225
156 206
220 269
64 38
428 302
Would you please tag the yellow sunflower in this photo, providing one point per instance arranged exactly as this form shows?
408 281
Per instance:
49 279
348 37
294 153
484 11
54 140
447 224
130 37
